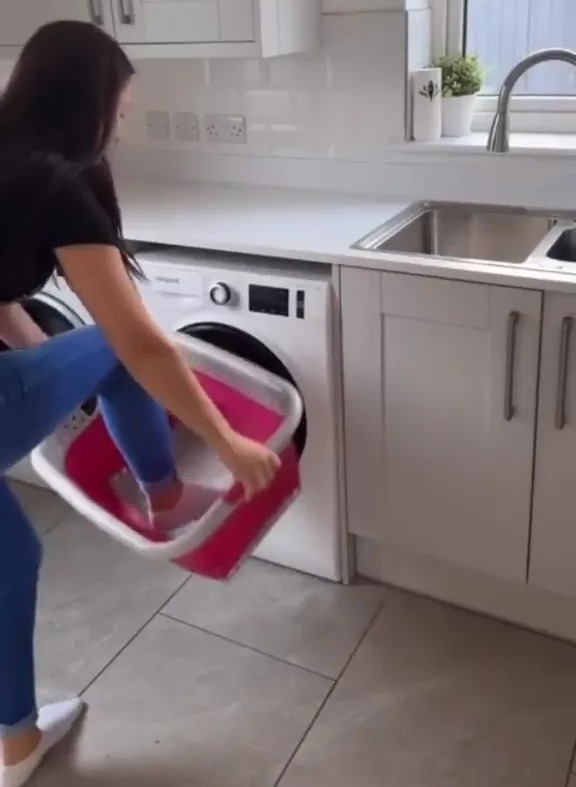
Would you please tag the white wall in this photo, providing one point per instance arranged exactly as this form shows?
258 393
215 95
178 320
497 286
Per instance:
327 121
345 102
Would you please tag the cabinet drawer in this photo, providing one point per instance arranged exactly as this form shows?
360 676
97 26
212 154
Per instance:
18 20
196 21
170 22
553 546
237 21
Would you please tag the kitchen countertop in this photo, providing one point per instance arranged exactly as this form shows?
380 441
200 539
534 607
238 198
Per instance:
315 226
294 224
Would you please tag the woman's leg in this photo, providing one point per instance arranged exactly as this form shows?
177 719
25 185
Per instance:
20 558
56 377
25 735
38 389
41 387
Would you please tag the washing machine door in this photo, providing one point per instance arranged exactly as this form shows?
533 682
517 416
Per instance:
54 317
246 346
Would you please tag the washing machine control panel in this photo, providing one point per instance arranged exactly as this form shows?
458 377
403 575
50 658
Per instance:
241 293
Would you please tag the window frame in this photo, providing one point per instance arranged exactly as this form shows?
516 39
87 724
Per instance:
545 114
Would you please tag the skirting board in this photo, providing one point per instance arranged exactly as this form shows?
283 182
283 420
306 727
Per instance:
523 605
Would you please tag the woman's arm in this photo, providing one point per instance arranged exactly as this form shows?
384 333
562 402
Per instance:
18 329
97 275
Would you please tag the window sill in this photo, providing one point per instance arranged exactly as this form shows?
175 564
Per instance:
520 144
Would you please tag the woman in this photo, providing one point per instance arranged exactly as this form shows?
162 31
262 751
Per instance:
58 208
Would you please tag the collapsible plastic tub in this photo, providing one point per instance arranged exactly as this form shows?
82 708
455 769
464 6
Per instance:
81 463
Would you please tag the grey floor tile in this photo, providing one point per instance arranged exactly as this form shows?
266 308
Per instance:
572 781
437 697
44 508
295 617
94 597
182 708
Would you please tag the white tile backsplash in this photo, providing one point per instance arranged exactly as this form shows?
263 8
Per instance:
237 74
298 73
347 101
344 103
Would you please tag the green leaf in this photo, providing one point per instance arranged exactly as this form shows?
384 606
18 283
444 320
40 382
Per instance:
461 75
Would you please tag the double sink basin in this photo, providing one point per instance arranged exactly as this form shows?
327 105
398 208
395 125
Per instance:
480 233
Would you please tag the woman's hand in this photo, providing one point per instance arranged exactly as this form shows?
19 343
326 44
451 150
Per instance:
252 464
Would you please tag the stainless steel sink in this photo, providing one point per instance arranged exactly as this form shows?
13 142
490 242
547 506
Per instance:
463 231
563 248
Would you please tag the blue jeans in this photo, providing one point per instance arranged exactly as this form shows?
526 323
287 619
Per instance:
39 388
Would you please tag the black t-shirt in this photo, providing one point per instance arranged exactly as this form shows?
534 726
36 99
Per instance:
42 208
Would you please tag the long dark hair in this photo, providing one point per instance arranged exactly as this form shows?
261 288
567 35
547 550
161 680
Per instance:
61 104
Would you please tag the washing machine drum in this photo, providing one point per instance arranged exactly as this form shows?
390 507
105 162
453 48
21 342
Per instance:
242 344
53 320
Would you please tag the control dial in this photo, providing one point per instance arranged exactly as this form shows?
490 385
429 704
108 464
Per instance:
220 294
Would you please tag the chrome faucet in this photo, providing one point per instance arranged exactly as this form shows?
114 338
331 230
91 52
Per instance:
498 138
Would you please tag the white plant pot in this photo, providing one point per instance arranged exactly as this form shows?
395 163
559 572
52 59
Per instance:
457 114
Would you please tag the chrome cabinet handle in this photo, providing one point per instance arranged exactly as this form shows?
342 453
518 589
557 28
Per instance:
561 391
126 11
95 11
509 409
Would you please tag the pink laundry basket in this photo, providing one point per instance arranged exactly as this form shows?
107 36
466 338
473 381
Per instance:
81 463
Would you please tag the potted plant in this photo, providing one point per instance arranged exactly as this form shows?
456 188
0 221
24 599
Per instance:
462 78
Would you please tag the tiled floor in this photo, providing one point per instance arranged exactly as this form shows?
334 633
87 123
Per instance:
280 679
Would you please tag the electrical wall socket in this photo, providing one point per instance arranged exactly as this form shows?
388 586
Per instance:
186 127
230 129
157 124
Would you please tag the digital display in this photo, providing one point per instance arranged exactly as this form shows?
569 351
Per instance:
269 300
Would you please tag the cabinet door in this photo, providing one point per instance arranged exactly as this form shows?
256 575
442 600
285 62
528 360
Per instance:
19 20
183 21
440 400
553 542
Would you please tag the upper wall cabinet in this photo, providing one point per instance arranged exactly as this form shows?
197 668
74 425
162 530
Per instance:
177 28
19 18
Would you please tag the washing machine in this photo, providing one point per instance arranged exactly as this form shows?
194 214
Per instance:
279 315
272 313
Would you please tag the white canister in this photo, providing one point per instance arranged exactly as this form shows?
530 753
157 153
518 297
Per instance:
457 115
426 88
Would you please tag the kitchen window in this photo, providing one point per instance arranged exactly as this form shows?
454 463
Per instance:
502 32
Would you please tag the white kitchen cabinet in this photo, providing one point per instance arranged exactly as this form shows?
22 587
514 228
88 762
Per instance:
440 382
20 18
178 28
168 22
361 6
216 28
553 542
